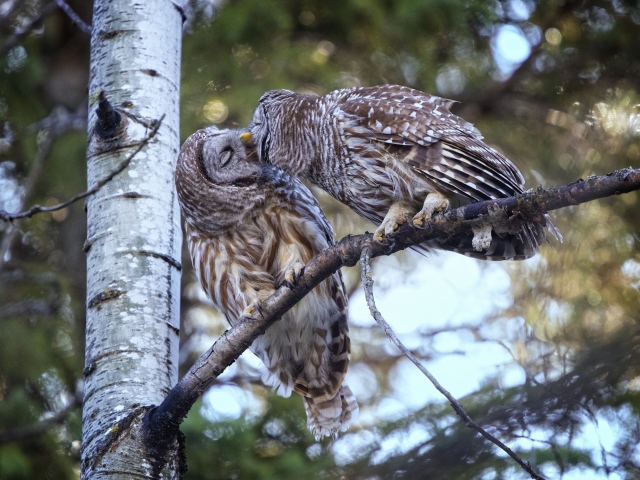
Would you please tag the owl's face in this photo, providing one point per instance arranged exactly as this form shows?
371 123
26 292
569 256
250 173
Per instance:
227 160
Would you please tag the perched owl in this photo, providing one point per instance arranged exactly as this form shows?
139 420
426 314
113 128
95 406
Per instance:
392 154
250 228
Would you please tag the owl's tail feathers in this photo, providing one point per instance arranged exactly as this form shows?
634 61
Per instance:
328 417
525 244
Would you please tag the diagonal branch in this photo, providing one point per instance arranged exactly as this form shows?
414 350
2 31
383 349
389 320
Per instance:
44 144
162 422
121 166
18 433
74 16
367 282
58 122
13 40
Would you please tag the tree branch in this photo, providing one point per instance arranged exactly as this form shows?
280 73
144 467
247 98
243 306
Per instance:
44 144
58 122
18 433
74 16
28 307
13 40
162 422
367 282
4 216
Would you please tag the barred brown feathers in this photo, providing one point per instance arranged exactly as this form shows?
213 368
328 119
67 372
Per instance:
391 153
250 228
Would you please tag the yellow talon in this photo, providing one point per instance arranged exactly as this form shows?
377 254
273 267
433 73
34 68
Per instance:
249 310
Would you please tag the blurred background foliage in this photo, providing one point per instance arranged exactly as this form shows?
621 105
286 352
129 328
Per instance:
553 84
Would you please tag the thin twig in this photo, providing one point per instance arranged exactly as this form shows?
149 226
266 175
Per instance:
18 433
38 209
74 16
367 282
13 40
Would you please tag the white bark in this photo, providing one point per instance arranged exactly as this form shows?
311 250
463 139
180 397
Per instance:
134 236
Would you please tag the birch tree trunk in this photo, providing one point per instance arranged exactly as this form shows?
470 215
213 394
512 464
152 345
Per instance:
134 236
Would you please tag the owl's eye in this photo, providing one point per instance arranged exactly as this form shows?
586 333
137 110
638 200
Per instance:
226 156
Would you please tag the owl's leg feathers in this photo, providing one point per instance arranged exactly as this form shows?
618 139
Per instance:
292 275
435 202
399 213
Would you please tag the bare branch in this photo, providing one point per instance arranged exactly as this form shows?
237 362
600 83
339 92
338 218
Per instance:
28 307
74 16
59 121
37 208
6 8
162 422
18 433
13 40
367 283
44 144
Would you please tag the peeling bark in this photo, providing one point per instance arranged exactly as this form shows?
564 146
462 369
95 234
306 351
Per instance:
133 279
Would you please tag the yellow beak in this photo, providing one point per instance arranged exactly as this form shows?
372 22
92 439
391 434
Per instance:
246 137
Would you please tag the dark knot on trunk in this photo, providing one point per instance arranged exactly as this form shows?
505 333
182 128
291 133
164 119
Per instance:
108 118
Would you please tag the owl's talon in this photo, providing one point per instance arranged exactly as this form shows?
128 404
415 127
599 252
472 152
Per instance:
435 202
286 283
292 275
379 240
398 214
248 312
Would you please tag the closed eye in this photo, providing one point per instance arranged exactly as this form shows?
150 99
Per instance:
226 156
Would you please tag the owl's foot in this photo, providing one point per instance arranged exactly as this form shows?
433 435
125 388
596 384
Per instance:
435 202
399 213
292 275
248 312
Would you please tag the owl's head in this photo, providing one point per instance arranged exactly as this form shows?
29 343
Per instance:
218 180
227 159
271 104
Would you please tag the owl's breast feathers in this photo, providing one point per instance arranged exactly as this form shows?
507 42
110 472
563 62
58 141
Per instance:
250 254
244 241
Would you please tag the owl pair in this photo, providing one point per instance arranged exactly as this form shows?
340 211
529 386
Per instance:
391 153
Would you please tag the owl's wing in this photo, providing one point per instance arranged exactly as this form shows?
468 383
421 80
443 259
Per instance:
418 129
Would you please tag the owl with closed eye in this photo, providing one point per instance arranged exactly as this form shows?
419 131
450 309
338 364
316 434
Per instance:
250 228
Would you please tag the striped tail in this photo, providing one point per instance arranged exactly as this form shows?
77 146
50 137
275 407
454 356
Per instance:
328 417
521 246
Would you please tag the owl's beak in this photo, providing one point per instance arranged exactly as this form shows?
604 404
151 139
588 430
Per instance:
246 137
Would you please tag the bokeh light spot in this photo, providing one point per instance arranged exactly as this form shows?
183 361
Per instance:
450 81
215 111
58 215
553 36
594 298
307 18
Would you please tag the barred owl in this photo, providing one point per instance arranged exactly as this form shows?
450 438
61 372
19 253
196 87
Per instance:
250 228
392 154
